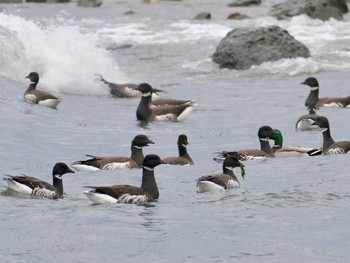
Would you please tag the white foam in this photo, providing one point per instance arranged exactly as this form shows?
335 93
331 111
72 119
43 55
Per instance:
63 54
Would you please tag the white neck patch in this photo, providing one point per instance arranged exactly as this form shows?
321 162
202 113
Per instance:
58 176
146 94
314 88
32 82
148 168
137 147
264 139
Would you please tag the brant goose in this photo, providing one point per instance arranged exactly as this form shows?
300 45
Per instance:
34 96
305 122
291 151
126 90
265 134
117 162
146 112
313 98
329 145
148 192
36 187
226 180
183 158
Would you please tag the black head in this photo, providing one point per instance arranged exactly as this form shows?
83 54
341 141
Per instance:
141 141
311 82
231 162
321 122
33 76
60 169
144 88
152 160
266 132
182 140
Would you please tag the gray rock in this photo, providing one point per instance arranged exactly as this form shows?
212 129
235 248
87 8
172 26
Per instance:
203 16
297 7
244 47
90 3
244 3
325 13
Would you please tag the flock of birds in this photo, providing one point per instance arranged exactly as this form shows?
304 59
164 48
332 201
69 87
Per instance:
150 110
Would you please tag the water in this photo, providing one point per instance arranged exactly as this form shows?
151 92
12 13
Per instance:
286 210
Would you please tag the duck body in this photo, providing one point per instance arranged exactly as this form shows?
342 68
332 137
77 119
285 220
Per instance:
148 192
265 134
223 181
34 96
37 187
166 112
183 158
313 97
291 151
329 145
116 162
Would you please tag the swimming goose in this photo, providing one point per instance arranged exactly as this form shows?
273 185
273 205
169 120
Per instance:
36 187
291 151
116 162
34 96
265 134
128 90
146 112
183 158
224 181
313 98
148 192
304 122
329 145
125 90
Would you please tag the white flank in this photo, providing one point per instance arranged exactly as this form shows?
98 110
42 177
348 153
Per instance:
132 199
335 151
85 168
52 103
43 192
116 166
166 117
98 198
206 186
132 92
333 104
306 125
30 98
15 186
184 114
232 184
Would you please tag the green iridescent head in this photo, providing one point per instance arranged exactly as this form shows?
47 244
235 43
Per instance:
278 138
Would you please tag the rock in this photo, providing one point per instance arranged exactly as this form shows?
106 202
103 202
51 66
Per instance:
245 47
325 13
244 3
297 7
90 3
237 16
203 16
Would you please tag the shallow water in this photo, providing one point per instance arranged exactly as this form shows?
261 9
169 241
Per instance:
287 209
